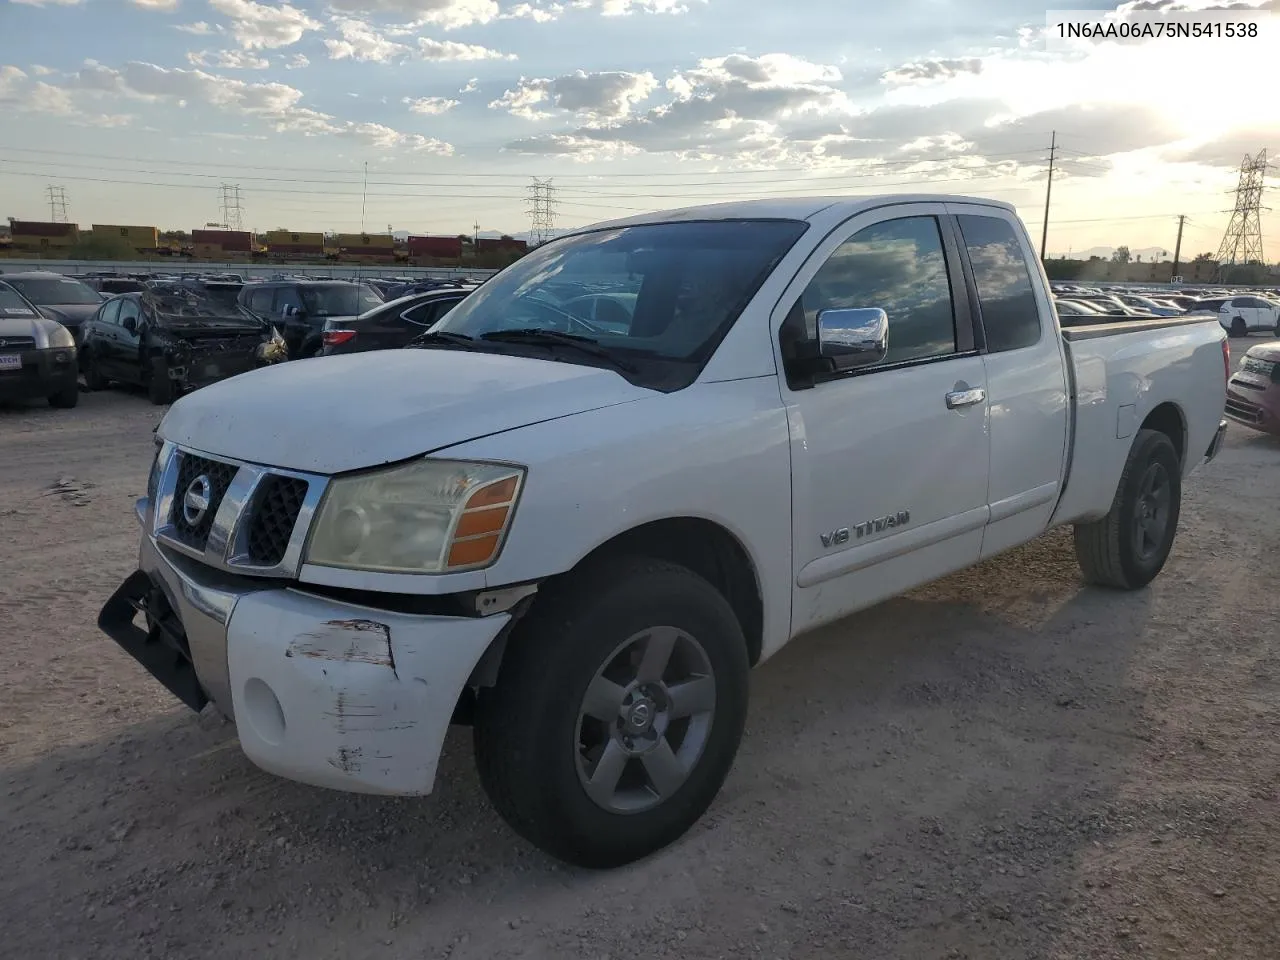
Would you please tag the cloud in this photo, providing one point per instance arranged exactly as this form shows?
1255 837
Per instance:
361 42
228 59
471 86
733 106
927 70
431 106
449 14
312 123
622 8
1229 149
42 71
162 5
449 50
592 96
297 62
199 28
148 82
262 26
19 92
48 3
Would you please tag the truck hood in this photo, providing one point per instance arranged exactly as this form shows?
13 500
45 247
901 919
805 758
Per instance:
348 412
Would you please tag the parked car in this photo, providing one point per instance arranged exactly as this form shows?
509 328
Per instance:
1074 312
1148 305
1241 316
109 286
1253 392
581 543
172 339
62 299
392 324
301 308
37 355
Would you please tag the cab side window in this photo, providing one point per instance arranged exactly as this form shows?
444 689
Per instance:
897 265
1006 298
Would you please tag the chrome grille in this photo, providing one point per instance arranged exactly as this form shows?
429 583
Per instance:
256 518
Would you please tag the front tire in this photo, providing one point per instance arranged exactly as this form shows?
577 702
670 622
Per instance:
617 712
159 386
1239 328
1128 547
66 398
93 378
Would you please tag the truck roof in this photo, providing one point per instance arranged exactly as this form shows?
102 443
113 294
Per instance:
792 208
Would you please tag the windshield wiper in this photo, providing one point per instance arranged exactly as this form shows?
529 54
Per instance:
443 338
555 338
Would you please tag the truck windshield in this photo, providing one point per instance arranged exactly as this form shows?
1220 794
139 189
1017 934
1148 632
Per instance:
338 300
664 292
54 291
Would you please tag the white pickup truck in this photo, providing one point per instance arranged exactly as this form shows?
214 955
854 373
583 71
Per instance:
626 470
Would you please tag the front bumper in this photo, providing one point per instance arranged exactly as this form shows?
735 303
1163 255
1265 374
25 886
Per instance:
322 692
42 374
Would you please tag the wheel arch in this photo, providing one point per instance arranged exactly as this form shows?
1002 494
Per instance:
1168 418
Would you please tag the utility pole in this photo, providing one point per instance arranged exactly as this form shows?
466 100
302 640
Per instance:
364 195
57 204
1048 190
1177 247
475 237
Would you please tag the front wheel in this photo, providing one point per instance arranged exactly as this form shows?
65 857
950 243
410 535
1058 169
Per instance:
93 378
617 712
66 398
1128 547
1239 328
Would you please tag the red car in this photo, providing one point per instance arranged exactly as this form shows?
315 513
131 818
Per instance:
1253 392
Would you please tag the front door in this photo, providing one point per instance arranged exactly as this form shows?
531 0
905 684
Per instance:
890 462
126 361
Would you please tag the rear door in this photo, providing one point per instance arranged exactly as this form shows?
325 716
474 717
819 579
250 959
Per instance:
1025 373
889 462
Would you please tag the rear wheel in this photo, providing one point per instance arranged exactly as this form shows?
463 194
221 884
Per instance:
1128 547
67 397
1239 328
617 712
159 386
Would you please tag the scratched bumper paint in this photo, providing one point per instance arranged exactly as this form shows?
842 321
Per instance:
364 696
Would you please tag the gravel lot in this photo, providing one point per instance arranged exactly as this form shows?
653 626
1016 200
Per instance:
1002 765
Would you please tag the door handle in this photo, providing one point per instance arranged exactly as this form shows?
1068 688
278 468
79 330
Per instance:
965 398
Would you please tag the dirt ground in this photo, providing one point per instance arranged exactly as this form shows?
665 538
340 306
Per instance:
1003 765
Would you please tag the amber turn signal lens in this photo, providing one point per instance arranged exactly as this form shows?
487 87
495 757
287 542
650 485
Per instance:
464 553
475 522
496 493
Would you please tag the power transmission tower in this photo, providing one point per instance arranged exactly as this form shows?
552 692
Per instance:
232 212
542 211
1048 190
58 204
1242 243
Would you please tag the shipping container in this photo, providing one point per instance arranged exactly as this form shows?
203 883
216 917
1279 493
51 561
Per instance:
364 241
140 238
443 247
240 241
287 238
42 235
494 245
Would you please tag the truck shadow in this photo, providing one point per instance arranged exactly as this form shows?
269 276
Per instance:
933 768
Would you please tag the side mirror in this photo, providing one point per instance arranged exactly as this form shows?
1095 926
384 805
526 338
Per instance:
853 338
130 324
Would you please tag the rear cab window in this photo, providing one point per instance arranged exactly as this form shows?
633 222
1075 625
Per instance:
1007 307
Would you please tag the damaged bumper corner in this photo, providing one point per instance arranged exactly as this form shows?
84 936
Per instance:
321 692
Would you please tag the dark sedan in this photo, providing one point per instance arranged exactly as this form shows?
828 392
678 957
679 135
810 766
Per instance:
37 355
62 299
391 324
171 339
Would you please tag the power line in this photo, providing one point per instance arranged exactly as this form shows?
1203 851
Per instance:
542 211
57 204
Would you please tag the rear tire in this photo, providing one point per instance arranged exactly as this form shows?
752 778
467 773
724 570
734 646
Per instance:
1128 547
1239 328
159 387
571 704
66 398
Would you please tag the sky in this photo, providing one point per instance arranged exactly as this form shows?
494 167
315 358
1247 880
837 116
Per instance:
433 116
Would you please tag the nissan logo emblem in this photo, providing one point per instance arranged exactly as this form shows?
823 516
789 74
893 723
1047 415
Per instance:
195 502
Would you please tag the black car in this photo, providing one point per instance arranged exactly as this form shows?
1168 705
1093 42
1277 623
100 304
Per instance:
392 324
63 299
301 308
110 286
171 339
37 355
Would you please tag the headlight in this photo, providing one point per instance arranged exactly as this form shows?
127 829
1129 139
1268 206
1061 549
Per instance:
153 477
429 516
60 338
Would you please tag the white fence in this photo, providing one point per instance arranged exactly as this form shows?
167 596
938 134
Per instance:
259 271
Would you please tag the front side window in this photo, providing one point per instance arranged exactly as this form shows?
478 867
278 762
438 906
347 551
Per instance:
898 266
1006 298
111 312
128 310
